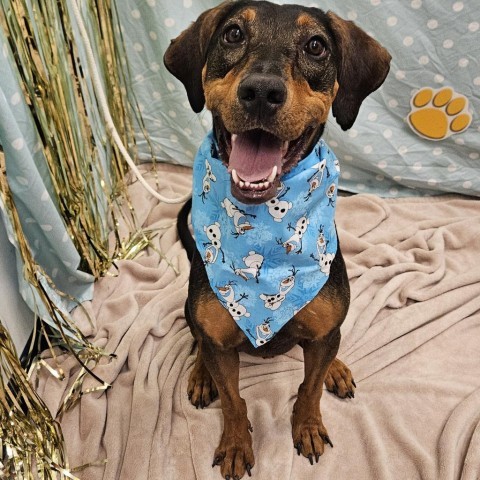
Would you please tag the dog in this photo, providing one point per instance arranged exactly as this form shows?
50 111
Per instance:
269 74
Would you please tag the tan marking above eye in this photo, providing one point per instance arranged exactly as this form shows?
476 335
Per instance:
305 20
249 14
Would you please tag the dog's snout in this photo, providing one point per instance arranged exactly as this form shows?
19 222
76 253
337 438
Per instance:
262 94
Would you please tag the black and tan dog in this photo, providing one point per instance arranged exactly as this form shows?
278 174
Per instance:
270 74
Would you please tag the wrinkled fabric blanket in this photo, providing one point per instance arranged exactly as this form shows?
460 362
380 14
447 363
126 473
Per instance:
411 338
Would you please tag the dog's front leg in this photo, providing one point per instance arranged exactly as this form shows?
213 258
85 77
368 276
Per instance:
234 453
309 433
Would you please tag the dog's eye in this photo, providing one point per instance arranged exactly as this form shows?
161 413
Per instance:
316 47
233 34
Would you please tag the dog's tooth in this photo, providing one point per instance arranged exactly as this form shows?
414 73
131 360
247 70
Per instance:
266 184
272 175
234 137
247 184
235 177
241 183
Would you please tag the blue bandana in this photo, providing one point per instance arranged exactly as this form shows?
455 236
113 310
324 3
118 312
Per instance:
266 262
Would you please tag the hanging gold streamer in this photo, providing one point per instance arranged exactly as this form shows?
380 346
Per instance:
27 429
91 194
68 338
87 171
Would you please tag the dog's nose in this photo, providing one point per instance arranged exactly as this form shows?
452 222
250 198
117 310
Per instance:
262 94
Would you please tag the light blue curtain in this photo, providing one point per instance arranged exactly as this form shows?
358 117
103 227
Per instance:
30 184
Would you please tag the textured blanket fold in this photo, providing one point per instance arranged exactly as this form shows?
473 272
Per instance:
411 338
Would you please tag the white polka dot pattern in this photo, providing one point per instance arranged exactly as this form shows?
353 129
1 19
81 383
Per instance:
433 44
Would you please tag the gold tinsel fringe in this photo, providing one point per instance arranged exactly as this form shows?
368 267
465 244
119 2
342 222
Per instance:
27 429
18 402
90 188
91 194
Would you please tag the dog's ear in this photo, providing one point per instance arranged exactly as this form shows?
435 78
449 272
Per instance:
362 67
186 54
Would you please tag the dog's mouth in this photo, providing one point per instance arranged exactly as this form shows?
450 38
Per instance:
256 160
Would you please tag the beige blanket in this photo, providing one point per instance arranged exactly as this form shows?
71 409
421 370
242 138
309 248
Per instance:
411 338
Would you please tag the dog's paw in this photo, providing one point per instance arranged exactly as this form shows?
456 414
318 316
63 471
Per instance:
235 454
309 436
437 114
339 380
201 388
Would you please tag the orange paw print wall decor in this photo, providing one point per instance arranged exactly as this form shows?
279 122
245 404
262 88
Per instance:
437 114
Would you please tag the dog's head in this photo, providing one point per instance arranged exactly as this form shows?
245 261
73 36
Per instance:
270 74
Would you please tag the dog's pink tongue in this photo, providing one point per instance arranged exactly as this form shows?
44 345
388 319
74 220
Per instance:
254 154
